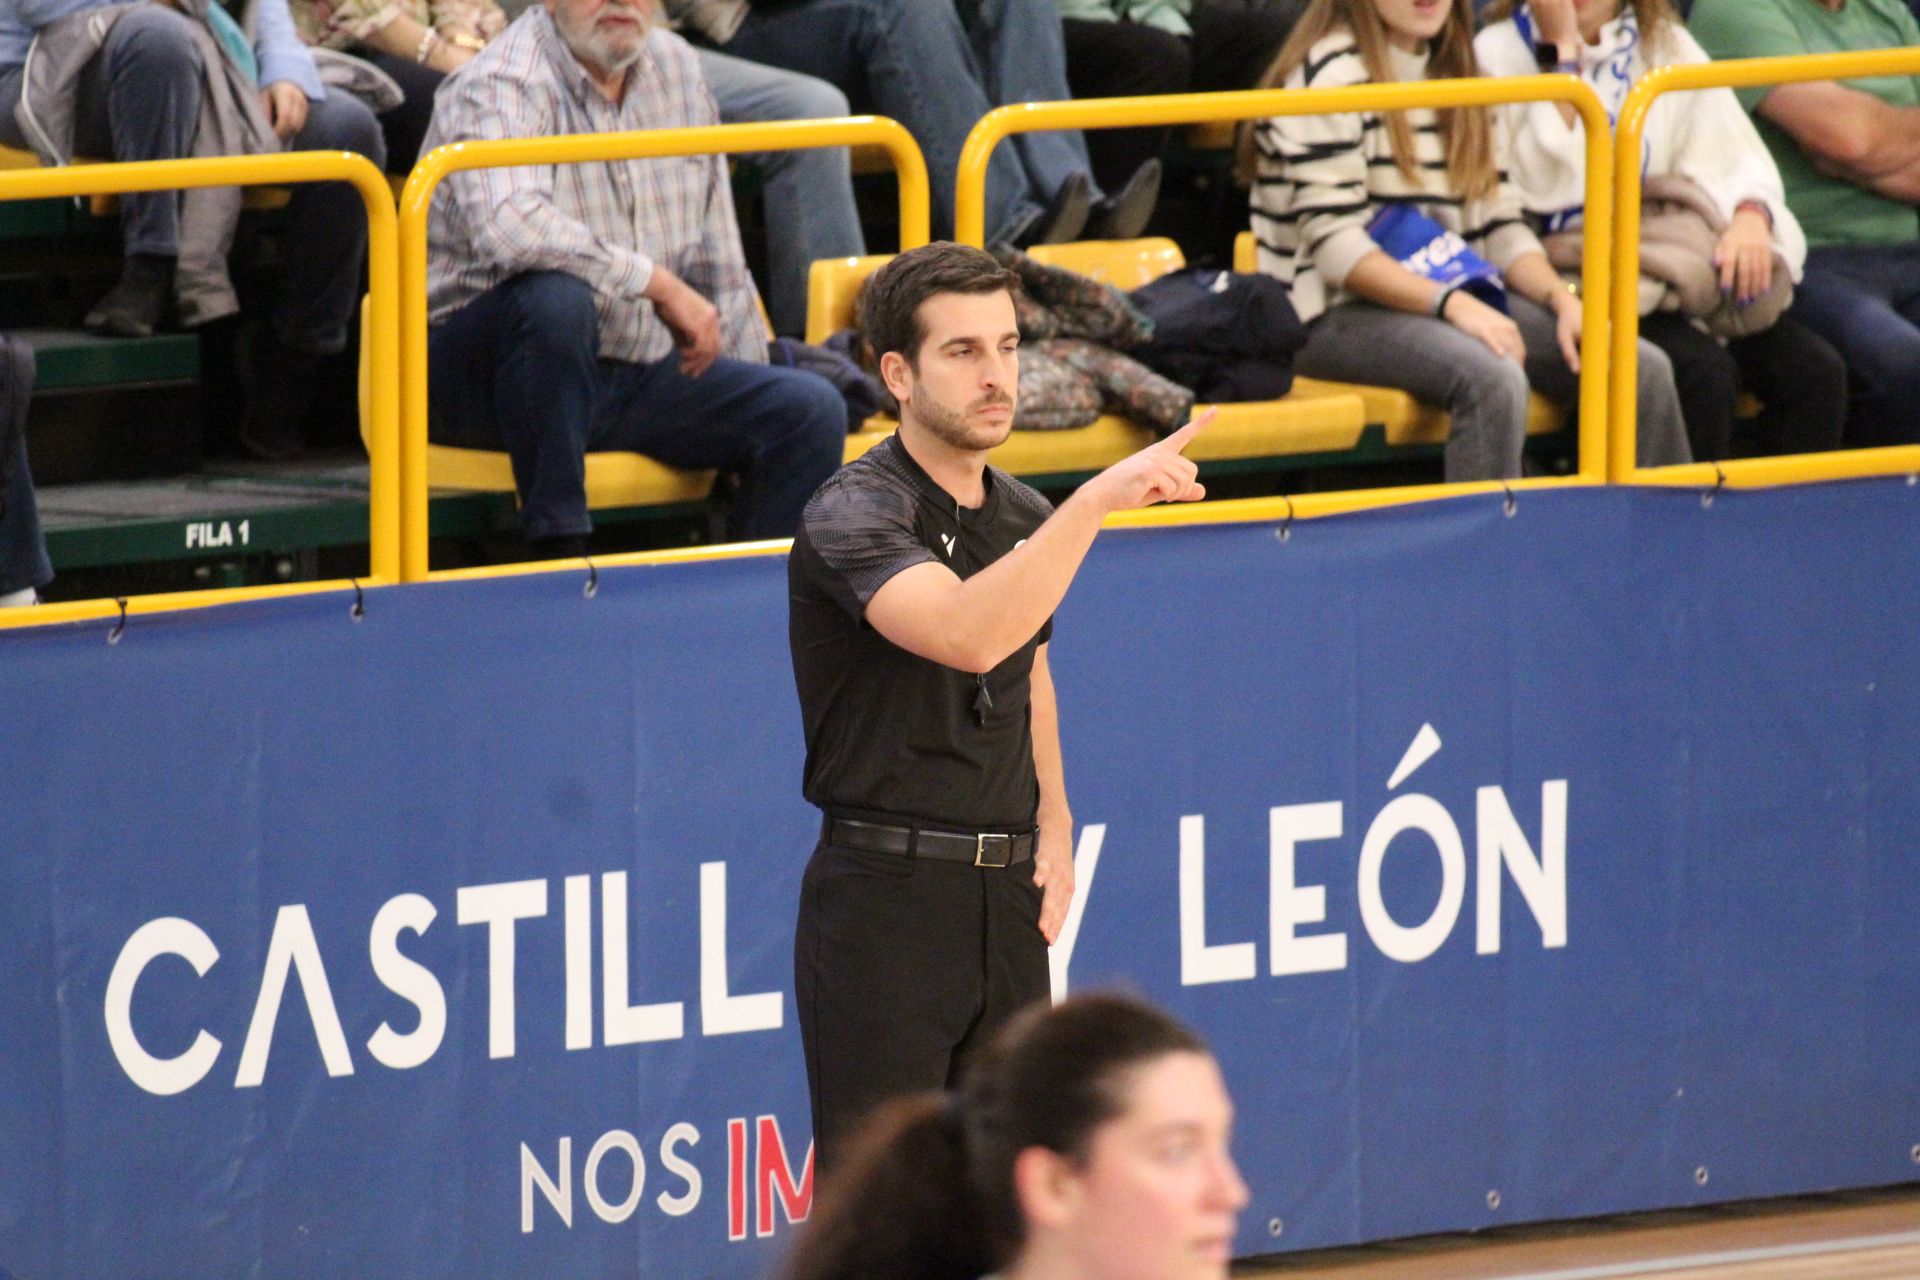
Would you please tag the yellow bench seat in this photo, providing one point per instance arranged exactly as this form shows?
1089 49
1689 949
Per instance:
1314 419
613 479
1317 422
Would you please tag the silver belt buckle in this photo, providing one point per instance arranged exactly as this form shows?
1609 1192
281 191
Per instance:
980 849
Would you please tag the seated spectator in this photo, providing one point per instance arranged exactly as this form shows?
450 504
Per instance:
417 42
1468 321
937 67
1850 156
24 567
807 195
1707 140
1139 48
149 82
607 306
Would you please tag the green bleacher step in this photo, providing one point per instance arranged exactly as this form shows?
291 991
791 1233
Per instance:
69 358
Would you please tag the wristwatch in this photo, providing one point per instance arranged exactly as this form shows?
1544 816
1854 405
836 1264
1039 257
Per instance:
464 40
1546 56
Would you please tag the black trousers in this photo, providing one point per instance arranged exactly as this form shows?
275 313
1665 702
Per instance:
1797 375
902 968
1230 48
405 126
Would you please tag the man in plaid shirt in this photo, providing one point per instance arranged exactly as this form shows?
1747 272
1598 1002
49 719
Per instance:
606 306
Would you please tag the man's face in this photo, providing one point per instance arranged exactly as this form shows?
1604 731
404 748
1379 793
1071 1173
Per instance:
968 372
607 35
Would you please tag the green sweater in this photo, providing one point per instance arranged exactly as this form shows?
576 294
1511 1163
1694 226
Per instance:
1833 210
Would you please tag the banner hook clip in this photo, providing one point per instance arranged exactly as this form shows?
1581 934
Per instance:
1719 483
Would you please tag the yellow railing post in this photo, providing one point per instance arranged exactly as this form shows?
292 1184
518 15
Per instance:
383 431
728 139
970 198
1623 430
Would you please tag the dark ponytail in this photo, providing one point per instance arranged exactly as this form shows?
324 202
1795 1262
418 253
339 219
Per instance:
926 1192
898 1206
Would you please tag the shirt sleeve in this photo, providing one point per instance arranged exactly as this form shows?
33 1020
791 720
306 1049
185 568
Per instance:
1745 29
1319 160
509 215
1715 144
863 538
282 53
717 268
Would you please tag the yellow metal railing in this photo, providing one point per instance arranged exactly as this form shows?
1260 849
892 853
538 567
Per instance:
1195 108
730 139
381 336
1623 430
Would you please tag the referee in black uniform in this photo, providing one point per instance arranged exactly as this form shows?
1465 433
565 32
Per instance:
921 588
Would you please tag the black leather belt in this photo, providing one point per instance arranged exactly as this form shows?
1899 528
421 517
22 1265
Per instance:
982 849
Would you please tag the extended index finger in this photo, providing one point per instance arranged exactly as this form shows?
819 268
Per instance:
1179 440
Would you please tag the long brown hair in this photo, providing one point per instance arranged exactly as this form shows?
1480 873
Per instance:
1466 131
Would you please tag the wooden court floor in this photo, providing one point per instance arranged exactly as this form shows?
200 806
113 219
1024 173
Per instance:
1870 1235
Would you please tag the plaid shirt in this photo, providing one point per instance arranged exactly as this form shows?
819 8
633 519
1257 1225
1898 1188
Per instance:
607 224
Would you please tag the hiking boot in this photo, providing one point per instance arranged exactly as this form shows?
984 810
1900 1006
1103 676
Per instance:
134 307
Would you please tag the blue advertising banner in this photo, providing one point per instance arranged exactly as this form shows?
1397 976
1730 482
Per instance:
1519 866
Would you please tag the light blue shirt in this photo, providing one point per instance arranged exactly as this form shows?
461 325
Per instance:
282 54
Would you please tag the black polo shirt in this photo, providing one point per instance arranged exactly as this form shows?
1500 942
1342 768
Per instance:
890 734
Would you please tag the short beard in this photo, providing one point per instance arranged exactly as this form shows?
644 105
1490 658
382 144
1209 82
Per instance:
951 427
593 49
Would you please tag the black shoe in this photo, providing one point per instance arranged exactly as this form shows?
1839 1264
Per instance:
1064 218
134 307
278 387
1124 214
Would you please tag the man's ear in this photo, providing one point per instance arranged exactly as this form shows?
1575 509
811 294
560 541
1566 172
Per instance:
897 374
1047 1186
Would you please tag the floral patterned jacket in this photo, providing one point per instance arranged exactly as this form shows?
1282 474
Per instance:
341 24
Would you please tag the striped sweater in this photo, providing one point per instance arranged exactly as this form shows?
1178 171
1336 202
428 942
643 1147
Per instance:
1319 181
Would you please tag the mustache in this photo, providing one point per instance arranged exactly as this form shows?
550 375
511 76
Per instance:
998 400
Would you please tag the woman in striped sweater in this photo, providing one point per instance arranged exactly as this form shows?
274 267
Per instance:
1466 313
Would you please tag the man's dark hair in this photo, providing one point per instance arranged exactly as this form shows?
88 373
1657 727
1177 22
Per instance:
888 312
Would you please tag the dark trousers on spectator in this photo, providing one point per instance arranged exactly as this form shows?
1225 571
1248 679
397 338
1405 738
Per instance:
23 551
140 100
405 127
1797 376
903 967
1230 48
1865 300
518 369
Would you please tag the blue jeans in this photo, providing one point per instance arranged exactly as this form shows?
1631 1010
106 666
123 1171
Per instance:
914 61
517 368
139 99
1865 300
808 194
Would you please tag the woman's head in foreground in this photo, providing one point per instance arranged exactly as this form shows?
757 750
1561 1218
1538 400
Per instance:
1088 1143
